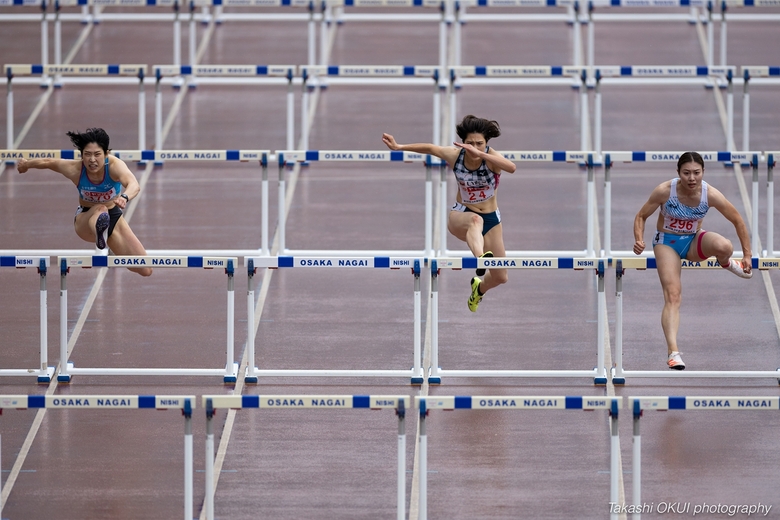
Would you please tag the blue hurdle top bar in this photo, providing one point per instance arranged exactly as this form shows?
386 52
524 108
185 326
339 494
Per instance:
368 71
518 263
154 402
290 156
373 402
706 403
332 262
24 261
674 156
287 71
205 262
650 71
523 402
654 3
514 71
755 71
75 70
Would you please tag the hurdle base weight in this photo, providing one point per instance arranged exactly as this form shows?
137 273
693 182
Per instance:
46 378
231 377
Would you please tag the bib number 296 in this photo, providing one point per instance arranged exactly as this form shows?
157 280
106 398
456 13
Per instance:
681 225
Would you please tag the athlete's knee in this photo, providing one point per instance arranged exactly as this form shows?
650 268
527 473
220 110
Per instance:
500 277
145 271
476 221
100 208
673 295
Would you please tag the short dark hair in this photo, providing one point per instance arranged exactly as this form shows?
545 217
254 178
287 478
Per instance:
92 135
690 157
477 125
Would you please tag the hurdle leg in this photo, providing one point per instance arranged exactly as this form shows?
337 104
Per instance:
614 456
434 377
188 460
770 205
264 210
177 44
428 209
57 44
290 114
723 34
44 45
423 465
597 116
754 223
158 114
250 376
601 374
63 376
209 498
417 373
312 37
710 36
617 375
401 502
607 210
443 41
746 115
231 369
730 113
192 45
637 463
9 116
45 374
280 233
590 221
141 112
443 209
305 116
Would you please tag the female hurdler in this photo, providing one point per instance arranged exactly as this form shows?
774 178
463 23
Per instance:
474 218
105 185
684 202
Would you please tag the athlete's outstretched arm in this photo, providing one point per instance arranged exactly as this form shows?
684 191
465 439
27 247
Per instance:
447 153
68 168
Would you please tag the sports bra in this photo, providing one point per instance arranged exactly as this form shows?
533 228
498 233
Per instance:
475 185
679 218
104 191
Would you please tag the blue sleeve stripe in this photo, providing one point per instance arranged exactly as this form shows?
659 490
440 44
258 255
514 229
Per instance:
566 263
312 155
262 70
361 401
147 401
676 403
396 155
469 263
559 156
638 156
99 261
333 70
232 155
285 261
147 155
194 261
462 402
36 401
573 403
382 261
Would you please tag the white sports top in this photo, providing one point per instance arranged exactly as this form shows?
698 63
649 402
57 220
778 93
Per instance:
682 219
475 185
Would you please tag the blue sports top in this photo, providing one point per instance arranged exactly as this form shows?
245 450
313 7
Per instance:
104 191
679 218
475 185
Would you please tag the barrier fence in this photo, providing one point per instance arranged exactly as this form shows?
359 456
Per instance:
619 374
400 403
253 373
67 369
514 403
118 402
704 403
599 374
43 372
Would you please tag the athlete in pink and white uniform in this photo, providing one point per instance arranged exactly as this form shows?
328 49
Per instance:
474 218
105 185
684 202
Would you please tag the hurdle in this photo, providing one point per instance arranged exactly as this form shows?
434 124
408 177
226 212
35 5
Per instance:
253 373
743 17
599 373
443 19
289 157
761 75
84 74
668 403
387 75
619 374
586 158
44 372
184 403
40 4
226 75
770 201
530 402
463 16
663 76
523 75
399 403
750 158
67 368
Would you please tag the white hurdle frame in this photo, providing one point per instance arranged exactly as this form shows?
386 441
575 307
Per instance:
400 403
619 374
67 369
253 373
514 403
184 403
752 17
770 202
749 158
44 20
289 157
226 75
599 373
371 75
662 75
761 75
85 74
44 372
520 75
668 403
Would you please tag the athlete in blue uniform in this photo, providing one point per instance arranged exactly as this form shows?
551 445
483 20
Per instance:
105 185
474 218
684 202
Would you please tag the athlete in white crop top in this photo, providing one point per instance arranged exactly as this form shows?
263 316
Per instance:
99 215
474 218
683 203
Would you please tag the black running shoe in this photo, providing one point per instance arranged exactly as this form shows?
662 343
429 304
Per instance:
488 254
